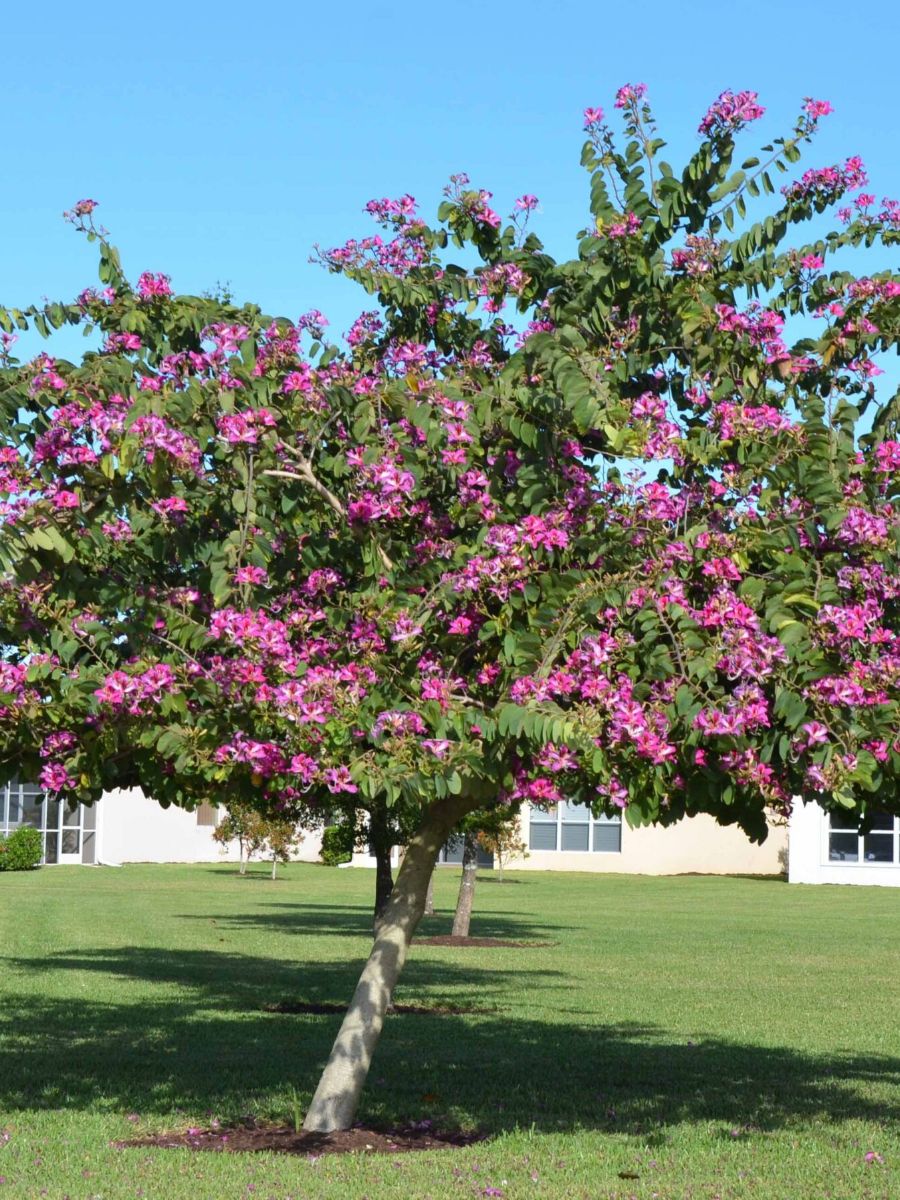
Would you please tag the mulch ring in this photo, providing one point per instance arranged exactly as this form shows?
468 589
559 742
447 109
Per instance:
448 939
283 1139
329 1006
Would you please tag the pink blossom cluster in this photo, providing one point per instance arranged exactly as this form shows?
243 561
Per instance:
55 778
698 256
495 282
155 434
134 693
625 228
264 758
630 94
398 256
246 427
251 575
746 710
170 507
397 723
730 113
383 487
825 185
863 528
512 558
315 695
58 744
749 421
12 684
154 287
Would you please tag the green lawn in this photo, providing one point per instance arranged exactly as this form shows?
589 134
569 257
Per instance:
713 1037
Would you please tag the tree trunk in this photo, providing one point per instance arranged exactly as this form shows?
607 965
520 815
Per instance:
384 879
274 866
337 1096
429 898
243 857
463 915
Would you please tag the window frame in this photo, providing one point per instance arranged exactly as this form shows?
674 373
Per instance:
861 861
565 816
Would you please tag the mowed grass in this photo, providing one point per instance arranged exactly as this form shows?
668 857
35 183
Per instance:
685 1037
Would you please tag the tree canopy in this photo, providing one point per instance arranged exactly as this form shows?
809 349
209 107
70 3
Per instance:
620 529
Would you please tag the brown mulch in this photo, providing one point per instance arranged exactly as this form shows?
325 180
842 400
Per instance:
328 1006
447 939
283 1139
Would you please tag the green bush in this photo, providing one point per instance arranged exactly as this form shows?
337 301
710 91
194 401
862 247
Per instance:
21 851
337 844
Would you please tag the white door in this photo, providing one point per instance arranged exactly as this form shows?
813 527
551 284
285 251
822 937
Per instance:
69 833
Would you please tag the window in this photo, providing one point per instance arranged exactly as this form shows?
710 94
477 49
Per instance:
572 827
67 829
880 845
207 814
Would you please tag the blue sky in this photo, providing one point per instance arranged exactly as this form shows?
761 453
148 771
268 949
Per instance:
223 142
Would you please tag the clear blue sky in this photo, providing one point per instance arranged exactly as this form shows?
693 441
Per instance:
224 141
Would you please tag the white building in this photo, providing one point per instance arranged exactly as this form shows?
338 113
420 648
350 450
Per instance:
830 849
123 827
127 827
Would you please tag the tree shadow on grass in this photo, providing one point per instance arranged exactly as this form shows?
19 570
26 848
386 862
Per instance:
311 919
197 1041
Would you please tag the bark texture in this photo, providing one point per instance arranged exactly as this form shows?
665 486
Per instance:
429 898
336 1099
463 916
384 878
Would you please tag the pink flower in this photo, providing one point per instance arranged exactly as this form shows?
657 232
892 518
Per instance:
630 93
816 733
436 746
250 575
55 778
154 287
817 108
528 203
404 629
66 500
171 506
730 113
337 779
592 116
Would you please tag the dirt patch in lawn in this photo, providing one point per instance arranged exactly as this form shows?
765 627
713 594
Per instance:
285 1140
476 943
422 1010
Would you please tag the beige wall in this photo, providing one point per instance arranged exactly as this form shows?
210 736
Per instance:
132 828
693 844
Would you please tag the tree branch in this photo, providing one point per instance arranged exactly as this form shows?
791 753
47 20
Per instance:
305 474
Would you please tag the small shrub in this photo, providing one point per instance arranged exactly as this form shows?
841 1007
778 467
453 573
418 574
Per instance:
21 851
337 844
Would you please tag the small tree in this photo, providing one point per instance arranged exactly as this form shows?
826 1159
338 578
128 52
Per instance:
495 830
633 547
269 837
502 839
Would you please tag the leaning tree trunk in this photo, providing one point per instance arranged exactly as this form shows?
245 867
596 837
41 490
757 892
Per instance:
337 1096
380 840
429 898
463 915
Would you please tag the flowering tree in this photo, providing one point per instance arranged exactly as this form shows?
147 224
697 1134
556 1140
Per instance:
631 546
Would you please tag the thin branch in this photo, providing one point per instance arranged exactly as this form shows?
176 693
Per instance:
305 474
